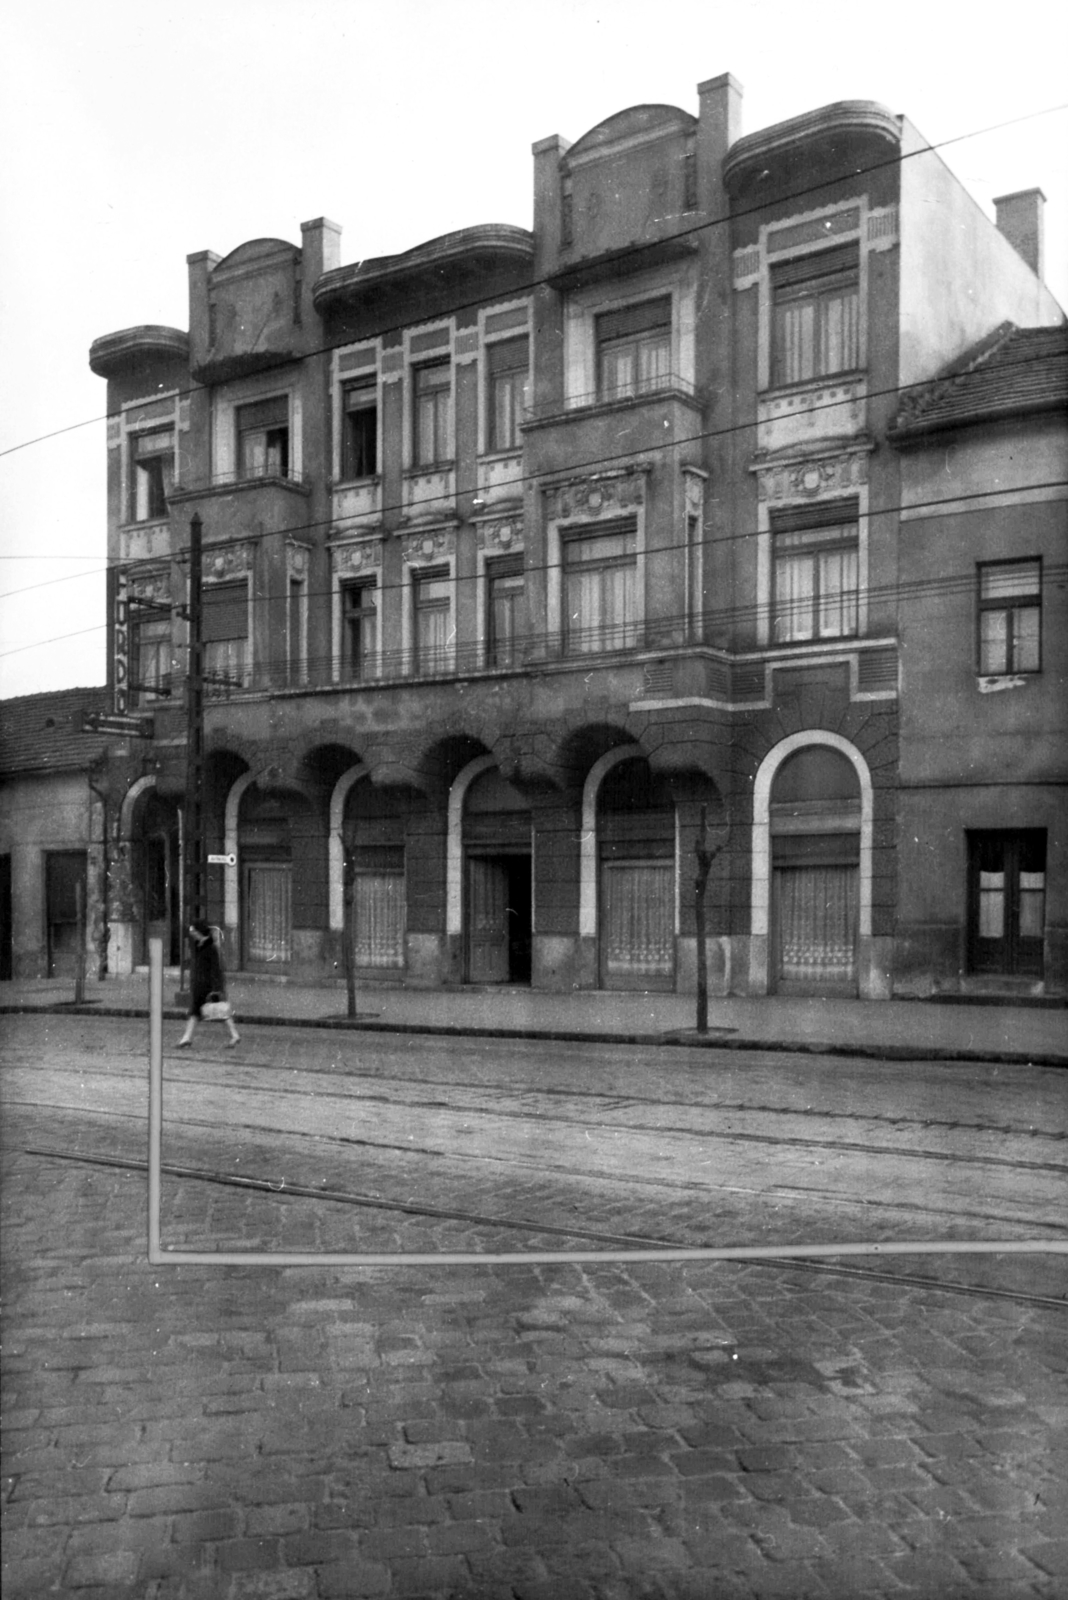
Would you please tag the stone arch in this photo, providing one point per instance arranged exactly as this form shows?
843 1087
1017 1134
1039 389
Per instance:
335 845
454 848
760 904
129 805
588 844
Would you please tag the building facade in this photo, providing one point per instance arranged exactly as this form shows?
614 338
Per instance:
528 553
984 699
56 787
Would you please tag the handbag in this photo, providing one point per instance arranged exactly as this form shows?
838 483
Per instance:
216 1008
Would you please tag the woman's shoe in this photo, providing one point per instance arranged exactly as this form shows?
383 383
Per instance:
183 1044
231 1042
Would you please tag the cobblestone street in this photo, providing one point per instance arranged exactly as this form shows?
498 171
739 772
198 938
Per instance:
564 1432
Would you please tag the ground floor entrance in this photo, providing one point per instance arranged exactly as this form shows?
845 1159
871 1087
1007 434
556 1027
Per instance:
1006 902
499 918
65 884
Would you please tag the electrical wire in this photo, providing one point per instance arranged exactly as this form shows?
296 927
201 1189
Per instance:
622 255
908 588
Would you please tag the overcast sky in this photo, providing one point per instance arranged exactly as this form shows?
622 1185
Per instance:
137 133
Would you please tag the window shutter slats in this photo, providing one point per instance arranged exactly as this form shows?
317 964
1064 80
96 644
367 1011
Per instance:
822 264
508 355
630 320
225 613
826 514
271 413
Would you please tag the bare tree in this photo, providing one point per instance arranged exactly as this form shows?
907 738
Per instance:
706 850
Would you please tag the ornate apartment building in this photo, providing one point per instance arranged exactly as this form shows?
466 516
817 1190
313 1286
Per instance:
524 550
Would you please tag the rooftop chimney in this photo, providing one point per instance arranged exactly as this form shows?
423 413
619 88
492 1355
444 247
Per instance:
1020 219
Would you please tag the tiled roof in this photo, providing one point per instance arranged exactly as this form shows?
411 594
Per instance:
1013 372
42 732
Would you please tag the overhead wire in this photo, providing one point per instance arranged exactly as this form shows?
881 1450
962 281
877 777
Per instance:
944 582
622 255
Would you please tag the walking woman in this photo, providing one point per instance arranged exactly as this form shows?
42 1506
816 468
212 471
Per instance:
207 984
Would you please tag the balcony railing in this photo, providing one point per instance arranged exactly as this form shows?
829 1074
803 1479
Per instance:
641 389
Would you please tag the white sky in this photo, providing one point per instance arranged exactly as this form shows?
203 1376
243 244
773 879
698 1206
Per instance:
136 133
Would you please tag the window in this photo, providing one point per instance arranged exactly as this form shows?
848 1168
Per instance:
1010 612
600 591
815 315
359 429
634 349
263 439
295 621
225 626
433 402
504 600
508 365
1007 902
359 629
432 604
151 657
815 557
152 474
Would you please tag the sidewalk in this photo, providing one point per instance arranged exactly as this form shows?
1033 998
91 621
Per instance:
882 1029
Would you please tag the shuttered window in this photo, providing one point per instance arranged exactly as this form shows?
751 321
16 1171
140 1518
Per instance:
507 365
634 349
225 634
815 315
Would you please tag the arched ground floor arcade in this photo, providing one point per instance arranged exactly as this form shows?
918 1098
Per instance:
460 867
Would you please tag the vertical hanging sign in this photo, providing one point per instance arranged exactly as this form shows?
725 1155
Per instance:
121 656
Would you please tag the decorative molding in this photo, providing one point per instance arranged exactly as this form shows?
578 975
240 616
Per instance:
882 228
363 359
812 230
813 478
747 267
352 558
430 544
502 536
235 561
152 585
597 497
694 485
296 559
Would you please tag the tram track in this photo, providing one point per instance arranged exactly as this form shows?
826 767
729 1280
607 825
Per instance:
409 1151
526 1096
571 1231
494 1104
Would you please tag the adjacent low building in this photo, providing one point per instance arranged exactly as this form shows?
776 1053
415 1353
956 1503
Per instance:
529 552
54 853
984 702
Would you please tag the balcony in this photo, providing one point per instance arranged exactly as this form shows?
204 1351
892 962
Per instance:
664 385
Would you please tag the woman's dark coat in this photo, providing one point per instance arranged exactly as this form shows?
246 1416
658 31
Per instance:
205 974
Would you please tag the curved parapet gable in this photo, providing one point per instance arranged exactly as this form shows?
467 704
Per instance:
114 353
636 125
833 131
488 248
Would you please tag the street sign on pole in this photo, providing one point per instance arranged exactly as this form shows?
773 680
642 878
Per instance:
222 861
119 727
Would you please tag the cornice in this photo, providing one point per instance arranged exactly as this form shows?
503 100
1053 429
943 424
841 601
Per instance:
491 244
748 156
112 353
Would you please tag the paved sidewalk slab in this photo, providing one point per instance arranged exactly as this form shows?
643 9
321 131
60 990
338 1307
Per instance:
910 1029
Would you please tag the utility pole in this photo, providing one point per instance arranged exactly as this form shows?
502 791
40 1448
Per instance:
195 874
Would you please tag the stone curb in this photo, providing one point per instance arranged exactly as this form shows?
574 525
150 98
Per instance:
714 1040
